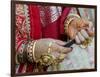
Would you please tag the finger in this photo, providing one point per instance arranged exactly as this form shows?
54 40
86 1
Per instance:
84 33
64 50
77 40
60 42
60 49
81 37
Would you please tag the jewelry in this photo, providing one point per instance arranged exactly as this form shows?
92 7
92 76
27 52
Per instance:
30 51
17 59
34 50
73 15
49 48
66 24
69 19
86 43
48 58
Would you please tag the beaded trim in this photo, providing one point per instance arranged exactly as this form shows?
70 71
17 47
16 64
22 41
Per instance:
27 19
30 51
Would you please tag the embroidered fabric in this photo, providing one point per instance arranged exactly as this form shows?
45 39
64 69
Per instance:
49 14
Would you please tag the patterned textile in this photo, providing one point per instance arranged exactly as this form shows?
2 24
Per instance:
21 28
49 14
21 32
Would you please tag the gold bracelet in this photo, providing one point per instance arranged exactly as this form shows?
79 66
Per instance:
30 51
70 18
34 50
73 15
66 25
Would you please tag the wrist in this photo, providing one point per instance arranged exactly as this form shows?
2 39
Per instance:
30 51
70 22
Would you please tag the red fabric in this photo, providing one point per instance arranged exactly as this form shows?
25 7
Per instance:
20 42
29 68
63 16
53 30
35 23
20 68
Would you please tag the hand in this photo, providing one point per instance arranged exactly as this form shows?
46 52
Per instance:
37 51
80 29
57 48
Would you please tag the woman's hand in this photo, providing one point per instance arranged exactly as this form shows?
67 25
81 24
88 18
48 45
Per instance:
80 29
47 51
56 48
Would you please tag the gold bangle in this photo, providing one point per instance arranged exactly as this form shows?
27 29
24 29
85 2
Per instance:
16 59
74 15
30 51
70 18
34 50
66 25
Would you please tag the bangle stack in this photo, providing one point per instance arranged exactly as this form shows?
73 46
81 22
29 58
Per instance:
30 51
68 20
